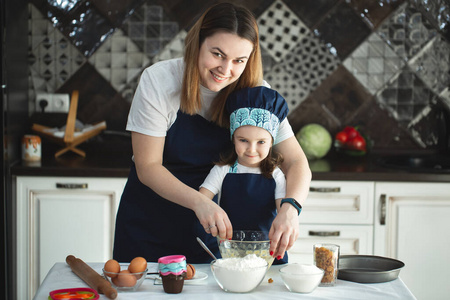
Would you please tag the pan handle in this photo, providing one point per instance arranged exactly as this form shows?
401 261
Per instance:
383 209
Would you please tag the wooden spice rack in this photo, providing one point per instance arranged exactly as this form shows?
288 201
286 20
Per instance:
70 140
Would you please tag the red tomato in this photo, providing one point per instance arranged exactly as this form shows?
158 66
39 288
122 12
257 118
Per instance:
351 132
357 143
342 137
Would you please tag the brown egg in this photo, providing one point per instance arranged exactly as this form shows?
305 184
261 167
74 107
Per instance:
124 279
137 265
112 266
190 271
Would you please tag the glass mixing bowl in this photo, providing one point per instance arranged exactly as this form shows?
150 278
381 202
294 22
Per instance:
246 242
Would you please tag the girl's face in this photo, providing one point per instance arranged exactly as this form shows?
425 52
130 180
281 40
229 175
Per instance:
222 59
252 145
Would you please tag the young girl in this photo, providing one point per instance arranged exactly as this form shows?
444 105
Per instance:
249 182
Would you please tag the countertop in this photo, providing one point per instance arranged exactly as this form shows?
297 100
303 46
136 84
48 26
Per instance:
61 276
110 156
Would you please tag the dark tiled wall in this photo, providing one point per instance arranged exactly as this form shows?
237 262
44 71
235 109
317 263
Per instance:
382 65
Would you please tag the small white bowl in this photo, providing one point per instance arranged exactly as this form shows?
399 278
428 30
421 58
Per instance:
301 278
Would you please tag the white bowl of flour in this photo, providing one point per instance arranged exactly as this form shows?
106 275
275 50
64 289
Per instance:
300 278
239 274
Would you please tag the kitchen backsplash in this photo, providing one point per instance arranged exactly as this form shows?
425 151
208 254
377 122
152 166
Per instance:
382 65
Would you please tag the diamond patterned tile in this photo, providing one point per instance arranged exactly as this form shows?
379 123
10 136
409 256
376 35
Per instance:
334 104
424 128
382 128
173 49
405 96
80 22
407 31
52 57
373 63
281 80
119 60
445 96
150 29
375 11
98 100
310 11
432 64
267 60
280 30
310 62
343 28
438 13
116 11
341 96
311 111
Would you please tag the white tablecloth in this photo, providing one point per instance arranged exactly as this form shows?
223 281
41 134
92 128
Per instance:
61 277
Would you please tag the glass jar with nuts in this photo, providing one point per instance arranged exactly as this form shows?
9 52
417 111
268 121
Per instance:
326 257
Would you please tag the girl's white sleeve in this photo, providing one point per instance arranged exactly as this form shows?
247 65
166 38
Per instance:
214 180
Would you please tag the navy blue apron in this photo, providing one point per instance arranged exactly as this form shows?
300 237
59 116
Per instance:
249 201
150 226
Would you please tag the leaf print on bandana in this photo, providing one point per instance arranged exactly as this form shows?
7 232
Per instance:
242 114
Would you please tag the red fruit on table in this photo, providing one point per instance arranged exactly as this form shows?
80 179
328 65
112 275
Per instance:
357 143
351 132
342 137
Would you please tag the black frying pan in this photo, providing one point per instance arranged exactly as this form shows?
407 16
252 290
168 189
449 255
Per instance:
368 268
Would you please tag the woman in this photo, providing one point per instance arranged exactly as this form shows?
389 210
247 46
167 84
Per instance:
179 127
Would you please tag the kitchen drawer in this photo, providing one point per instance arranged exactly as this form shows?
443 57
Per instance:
339 202
352 239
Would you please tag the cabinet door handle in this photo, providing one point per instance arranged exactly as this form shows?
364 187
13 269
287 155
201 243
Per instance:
383 209
325 189
324 233
72 186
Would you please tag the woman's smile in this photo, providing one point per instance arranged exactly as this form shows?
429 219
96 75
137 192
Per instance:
217 77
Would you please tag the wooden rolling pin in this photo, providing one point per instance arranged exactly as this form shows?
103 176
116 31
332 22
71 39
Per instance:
92 278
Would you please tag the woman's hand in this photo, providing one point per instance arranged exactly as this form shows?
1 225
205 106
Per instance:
284 230
212 217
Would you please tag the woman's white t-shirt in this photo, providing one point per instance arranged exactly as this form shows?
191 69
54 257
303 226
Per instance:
157 101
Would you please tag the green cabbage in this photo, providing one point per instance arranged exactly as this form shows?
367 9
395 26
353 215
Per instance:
315 140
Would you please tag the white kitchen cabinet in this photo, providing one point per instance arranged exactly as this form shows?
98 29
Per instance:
336 212
412 225
58 216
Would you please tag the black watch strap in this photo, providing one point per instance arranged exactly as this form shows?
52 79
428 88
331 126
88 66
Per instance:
293 202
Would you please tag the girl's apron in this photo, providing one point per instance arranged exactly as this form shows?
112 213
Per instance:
249 201
150 226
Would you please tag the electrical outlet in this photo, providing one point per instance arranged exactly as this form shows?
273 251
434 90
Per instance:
46 102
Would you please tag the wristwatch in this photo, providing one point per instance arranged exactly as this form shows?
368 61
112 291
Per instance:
293 202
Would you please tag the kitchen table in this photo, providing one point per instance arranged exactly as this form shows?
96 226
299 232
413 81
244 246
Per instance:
61 276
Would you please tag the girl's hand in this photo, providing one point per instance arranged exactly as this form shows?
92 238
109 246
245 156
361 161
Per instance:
214 219
284 231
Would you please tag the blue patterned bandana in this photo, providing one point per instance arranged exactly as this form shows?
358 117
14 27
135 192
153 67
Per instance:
259 106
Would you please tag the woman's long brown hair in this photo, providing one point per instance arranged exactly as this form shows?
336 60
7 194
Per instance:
223 17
